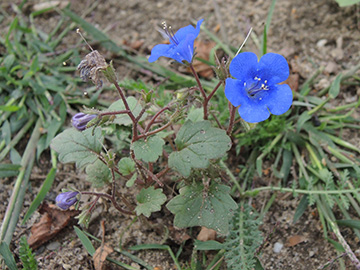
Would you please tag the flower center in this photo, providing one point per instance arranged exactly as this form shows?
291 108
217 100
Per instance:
170 33
254 87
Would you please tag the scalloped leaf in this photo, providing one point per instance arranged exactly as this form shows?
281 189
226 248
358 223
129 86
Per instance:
149 200
124 119
198 207
197 144
98 174
76 146
148 150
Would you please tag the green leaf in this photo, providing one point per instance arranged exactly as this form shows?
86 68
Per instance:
303 118
124 119
197 207
98 174
85 241
344 3
149 200
7 170
355 224
126 166
41 195
9 61
76 146
148 150
131 181
7 256
208 245
335 87
300 210
197 144
196 115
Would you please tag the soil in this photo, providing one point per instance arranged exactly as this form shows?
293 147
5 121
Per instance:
310 34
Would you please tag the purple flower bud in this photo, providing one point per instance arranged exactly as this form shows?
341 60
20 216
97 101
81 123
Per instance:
80 120
66 199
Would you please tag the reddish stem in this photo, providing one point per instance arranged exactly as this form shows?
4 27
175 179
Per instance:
110 198
198 81
113 113
207 99
232 118
131 115
154 118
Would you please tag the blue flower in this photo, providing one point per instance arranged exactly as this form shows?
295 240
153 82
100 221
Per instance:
80 120
66 199
181 47
256 87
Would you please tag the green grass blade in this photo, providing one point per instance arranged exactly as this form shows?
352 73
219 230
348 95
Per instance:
7 170
7 256
85 241
41 195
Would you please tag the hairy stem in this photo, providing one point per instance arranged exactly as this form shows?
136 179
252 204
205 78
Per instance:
198 81
232 118
207 99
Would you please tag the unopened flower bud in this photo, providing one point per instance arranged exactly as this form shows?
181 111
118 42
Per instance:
80 120
66 199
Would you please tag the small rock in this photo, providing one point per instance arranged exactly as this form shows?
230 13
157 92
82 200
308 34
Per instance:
321 43
331 68
277 247
135 265
53 246
311 253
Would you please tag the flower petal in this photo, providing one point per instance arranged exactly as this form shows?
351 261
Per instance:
235 92
184 50
273 67
254 112
188 30
280 99
244 65
160 50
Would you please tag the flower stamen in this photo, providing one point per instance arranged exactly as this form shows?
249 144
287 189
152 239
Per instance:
170 33
256 87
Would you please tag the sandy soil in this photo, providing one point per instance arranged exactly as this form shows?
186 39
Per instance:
308 33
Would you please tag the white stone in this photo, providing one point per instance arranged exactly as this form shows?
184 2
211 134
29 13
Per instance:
277 247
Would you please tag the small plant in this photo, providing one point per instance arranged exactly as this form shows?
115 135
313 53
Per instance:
26 256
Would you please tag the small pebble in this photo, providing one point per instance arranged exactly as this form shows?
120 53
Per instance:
321 43
277 247
53 246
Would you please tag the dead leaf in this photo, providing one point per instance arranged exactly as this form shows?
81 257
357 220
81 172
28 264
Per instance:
178 235
100 256
135 45
51 223
206 234
203 50
296 239
102 252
